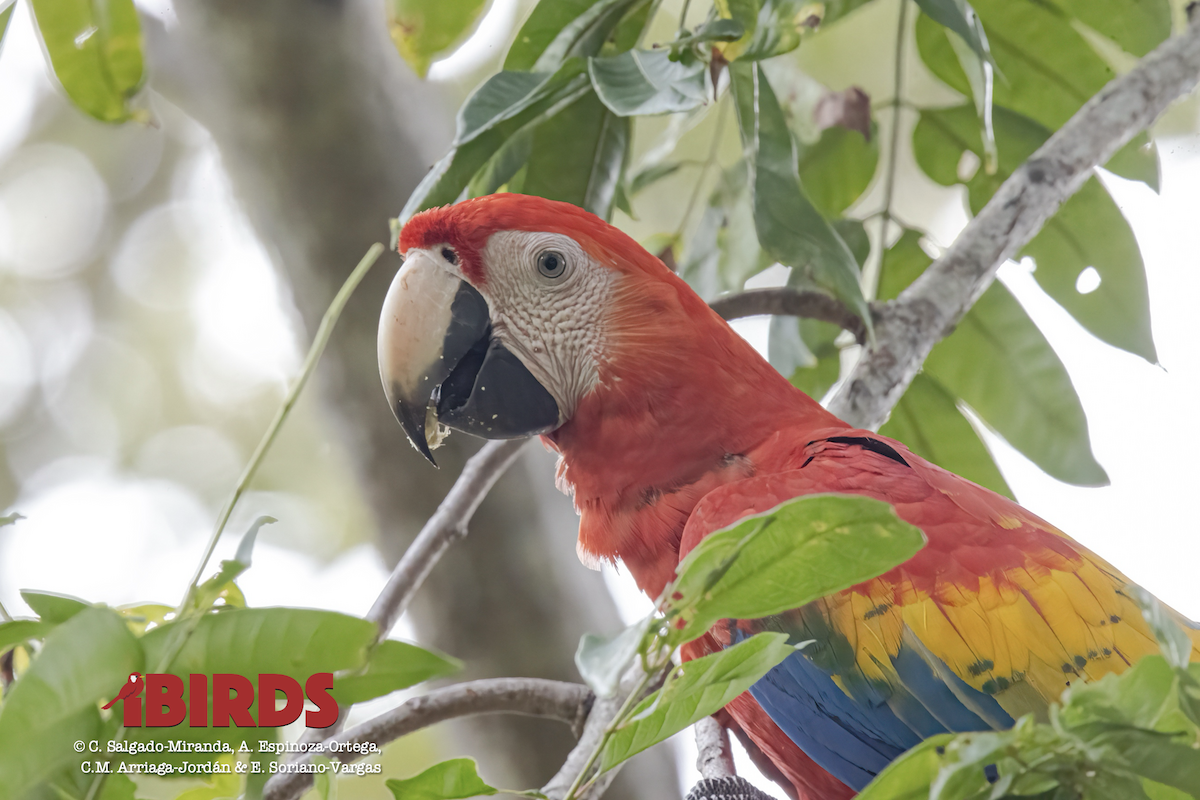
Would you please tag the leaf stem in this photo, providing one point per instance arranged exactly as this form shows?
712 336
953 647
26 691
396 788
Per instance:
617 721
889 185
186 621
310 362
708 162
683 16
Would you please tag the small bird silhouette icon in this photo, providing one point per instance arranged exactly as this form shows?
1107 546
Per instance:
131 687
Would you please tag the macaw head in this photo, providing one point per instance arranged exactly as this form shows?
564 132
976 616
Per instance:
500 320
513 315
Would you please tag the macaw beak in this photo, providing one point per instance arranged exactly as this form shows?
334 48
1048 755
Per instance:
440 363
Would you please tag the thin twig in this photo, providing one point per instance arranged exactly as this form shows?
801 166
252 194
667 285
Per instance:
871 277
714 758
713 148
447 525
908 328
534 697
188 619
784 300
889 185
595 731
310 362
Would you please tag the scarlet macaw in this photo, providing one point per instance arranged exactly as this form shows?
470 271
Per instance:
515 316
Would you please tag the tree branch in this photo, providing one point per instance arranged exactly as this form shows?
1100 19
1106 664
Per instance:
908 328
715 758
535 697
790 302
603 712
447 525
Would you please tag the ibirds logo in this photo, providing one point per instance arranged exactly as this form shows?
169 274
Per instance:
232 698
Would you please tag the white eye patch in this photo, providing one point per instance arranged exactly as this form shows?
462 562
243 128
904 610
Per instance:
547 299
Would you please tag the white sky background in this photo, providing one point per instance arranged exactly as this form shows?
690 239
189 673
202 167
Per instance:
82 514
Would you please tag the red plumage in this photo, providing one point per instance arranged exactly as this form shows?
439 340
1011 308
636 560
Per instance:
689 429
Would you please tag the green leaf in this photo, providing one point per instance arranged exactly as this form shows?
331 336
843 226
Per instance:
245 551
724 250
544 23
854 234
975 58
776 31
422 30
819 338
1175 644
507 104
448 780
786 349
652 174
12 518
585 31
837 168
5 16
602 661
1157 791
52 607
806 350
695 690
95 47
247 641
16 631
1138 26
1167 762
903 263
720 30
325 782
578 156
800 550
909 776
928 420
222 583
54 702
393 665
642 82
839 9
959 17
1138 697
503 166
227 785
1137 161
790 228
1049 69
1088 230
1001 365
119 787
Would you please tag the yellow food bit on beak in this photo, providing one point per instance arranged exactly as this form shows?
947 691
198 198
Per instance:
435 432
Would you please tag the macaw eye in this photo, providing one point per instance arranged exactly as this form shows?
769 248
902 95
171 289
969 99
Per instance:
450 255
551 264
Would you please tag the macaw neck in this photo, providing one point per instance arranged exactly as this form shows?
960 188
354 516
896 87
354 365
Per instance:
676 411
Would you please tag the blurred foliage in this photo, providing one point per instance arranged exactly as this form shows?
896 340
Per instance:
77 656
422 30
1133 735
96 49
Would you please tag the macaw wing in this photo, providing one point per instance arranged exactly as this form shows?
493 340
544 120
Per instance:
991 620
